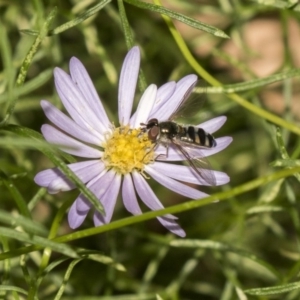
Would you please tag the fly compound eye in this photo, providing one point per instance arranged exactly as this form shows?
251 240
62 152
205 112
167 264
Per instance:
152 123
153 133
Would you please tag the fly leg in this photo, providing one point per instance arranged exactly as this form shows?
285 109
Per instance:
151 149
165 156
143 127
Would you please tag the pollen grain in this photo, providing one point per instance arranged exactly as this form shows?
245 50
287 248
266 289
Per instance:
127 150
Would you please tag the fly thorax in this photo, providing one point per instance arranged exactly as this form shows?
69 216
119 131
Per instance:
169 129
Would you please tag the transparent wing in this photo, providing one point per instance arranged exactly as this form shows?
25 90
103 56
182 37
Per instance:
200 165
190 104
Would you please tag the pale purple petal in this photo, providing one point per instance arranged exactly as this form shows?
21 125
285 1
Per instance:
69 144
75 217
183 89
184 173
127 84
82 79
76 104
146 194
85 174
56 181
222 143
99 185
172 226
163 94
43 178
66 124
174 185
148 197
145 106
213 125
109 200
129 196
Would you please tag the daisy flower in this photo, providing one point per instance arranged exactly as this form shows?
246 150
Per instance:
120 158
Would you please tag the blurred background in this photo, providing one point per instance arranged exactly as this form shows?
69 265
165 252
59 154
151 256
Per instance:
248 241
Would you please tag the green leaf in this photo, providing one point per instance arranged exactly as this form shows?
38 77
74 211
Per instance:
153 267
180 17
208 244
96 257
27 224
271 191
17 196
279 289
77 20
281 147
142 296
37 240
27 62
125 25
248 85
8 74
278 3
29 32
130 41
66 278
286 163
88 13
24 143
103 259
264 209
11 288
30 85
36 139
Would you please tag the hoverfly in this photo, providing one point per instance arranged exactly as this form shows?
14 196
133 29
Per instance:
188 140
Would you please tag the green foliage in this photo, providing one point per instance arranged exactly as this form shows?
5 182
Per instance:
243 241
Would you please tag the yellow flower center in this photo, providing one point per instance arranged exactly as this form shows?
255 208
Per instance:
127 149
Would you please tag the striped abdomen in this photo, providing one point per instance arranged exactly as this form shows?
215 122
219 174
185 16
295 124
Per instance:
197 136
